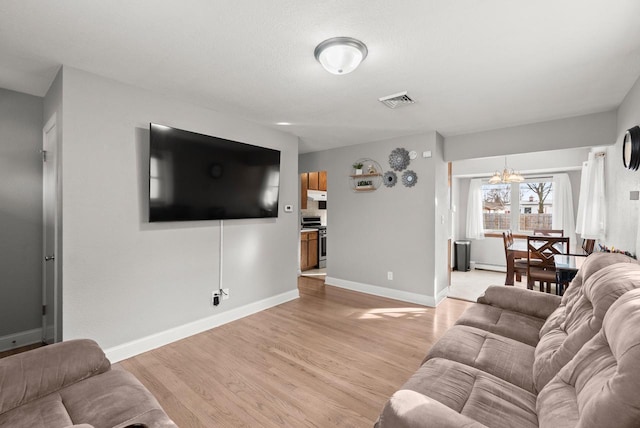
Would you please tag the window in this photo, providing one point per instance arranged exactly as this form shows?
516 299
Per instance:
529 205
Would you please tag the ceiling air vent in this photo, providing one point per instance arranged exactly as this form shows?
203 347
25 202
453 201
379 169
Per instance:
396 100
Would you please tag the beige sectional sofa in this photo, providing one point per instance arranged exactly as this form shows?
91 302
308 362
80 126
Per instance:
520 358
71 384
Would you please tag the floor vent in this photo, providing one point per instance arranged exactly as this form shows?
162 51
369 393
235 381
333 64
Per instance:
396 100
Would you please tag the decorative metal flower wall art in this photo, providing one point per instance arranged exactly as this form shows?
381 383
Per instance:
399 159
409 178
390 179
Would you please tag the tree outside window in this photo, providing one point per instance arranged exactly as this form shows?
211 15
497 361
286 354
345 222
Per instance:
528 205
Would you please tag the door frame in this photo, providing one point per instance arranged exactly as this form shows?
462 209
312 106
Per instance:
51 126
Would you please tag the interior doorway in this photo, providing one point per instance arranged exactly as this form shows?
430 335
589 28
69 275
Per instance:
51 328
313 232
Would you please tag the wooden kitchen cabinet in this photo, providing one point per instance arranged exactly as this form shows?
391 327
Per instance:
314 182
308 250
322 180
304 186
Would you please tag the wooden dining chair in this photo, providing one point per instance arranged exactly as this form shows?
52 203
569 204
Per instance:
587 245
548 232
519 265
540 264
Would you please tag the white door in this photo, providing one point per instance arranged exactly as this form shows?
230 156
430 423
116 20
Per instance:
50 333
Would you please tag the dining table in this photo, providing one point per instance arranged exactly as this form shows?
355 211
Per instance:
567 266
518 250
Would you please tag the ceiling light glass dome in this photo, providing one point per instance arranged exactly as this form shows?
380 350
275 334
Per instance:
340 55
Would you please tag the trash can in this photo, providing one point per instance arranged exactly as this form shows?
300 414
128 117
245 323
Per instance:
463 255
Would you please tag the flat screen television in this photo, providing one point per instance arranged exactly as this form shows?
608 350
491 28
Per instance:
199 177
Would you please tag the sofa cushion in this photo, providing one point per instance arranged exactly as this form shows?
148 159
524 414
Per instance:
47 412
410 409
582 318
479 396
500 356
515 325
39 372
112 399
591 265
600 386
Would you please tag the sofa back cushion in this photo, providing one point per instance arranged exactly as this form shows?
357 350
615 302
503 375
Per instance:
33 374
582 319
591 265
600 386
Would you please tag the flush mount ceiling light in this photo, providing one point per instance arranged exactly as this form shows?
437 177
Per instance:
340 55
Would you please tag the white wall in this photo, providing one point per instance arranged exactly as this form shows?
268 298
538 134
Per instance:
581 131
391 229
125 279
622 213
20 213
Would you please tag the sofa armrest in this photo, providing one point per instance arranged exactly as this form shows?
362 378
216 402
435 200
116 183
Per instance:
528 302
33 374
410 409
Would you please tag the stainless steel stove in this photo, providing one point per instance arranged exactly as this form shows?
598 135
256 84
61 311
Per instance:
314 222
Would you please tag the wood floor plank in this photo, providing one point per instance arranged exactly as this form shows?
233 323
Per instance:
330 358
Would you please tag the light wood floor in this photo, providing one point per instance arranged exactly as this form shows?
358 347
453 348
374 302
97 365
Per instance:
329 359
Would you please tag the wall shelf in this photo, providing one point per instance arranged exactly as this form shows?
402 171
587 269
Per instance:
369 180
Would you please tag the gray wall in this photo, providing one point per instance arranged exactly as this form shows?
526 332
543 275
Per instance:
125 279
391 229
582 131
20 212
622 214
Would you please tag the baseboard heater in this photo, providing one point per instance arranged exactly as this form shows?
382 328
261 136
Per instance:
495 268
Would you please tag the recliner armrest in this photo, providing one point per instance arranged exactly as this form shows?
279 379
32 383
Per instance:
410 409
528 302
33 374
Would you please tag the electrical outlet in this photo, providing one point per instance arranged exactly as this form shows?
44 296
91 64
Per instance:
390 276
225 293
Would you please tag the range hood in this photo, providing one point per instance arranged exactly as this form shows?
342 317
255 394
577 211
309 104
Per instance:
317 195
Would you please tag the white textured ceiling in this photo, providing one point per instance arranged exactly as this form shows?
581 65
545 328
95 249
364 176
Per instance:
470 64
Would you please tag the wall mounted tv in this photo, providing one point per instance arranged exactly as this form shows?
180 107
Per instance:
199 177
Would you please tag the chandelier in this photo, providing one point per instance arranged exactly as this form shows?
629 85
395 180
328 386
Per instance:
506 176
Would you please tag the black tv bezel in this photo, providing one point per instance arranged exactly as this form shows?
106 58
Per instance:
206 136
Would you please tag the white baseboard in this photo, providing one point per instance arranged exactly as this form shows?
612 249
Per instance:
135 347
22 338
442 295
390 293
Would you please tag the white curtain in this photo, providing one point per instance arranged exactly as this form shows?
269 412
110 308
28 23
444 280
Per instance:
475 221
563 208
592 206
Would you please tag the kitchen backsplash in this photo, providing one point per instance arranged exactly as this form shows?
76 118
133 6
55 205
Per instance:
313 210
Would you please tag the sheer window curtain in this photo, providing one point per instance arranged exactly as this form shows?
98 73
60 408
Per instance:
563 208
475 221
592 206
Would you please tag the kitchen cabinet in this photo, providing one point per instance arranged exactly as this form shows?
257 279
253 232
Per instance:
304 186
322 180
308 250
314 180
